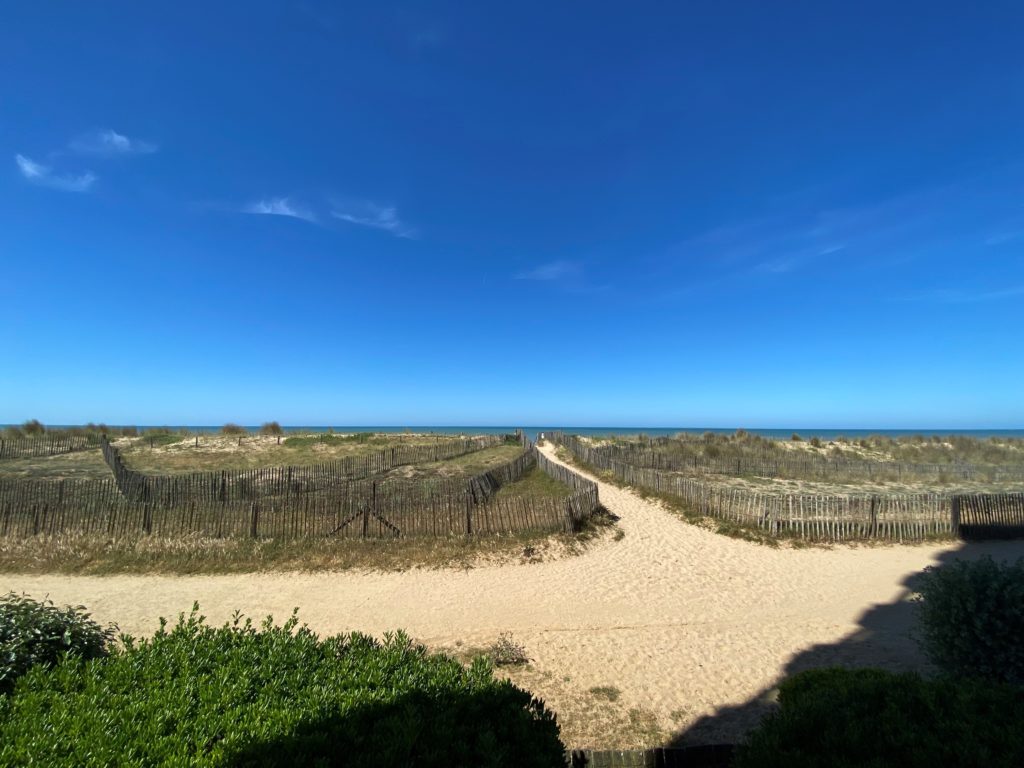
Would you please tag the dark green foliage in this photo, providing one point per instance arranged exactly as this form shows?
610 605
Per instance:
245 696
271 428
33 427
232 429
971 619
33 632
129 431
796 438
837 718
330 438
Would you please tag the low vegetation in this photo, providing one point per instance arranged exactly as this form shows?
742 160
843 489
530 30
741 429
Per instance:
171 453
36 632
915 449
273 695
869 717
971 619
506 651
92 555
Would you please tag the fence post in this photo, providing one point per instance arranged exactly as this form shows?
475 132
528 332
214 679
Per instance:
469 515
147 519
874 517
954 515
254 519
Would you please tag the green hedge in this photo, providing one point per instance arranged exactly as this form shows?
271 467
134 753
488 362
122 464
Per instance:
971 619
273 695
38 632
844 718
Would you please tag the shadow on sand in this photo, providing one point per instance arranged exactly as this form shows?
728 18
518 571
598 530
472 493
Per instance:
883 639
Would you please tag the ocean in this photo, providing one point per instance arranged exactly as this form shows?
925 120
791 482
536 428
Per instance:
825 433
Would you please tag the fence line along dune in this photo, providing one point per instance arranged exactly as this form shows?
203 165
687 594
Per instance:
890 517
390 508
688 626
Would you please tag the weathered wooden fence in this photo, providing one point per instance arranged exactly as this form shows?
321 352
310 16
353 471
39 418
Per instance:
44 445
769 464
989 516
254 484
353 509
893 517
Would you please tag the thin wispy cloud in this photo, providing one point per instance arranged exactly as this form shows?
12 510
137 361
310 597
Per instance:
279 206
110 142
367 214
43 175
554 270
1002 237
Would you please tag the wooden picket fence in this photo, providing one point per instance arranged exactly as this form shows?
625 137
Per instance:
769 464
44 445
890 517
254 484
354 509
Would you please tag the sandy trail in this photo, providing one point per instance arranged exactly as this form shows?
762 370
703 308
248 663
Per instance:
684 622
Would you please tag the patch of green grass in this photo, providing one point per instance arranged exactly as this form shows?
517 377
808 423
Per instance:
606 692
536 482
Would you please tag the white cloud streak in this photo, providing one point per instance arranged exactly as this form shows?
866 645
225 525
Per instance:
555 270
383 217
44 176
109 142
279 206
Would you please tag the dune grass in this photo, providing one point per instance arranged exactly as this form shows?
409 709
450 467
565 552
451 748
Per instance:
174 453
77 465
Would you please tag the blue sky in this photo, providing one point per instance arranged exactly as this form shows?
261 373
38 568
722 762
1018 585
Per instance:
732 214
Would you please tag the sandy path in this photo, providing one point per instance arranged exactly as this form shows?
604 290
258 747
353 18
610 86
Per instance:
681 620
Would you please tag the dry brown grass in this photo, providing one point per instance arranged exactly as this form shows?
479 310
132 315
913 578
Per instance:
208 452
588 717
78 465
89 555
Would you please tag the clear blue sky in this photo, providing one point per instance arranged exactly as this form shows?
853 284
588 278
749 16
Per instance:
735 214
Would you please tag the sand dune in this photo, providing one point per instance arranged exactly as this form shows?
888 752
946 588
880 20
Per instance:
684 622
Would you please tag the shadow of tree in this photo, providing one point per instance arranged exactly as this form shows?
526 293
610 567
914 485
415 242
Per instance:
421 728
884 639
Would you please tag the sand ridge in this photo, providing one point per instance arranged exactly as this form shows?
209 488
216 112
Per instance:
683 621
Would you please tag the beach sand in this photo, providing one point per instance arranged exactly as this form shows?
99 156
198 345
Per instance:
691 630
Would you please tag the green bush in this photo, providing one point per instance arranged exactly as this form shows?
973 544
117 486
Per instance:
34 632
843 718
271 428
232 429
971 619
33 427
274 695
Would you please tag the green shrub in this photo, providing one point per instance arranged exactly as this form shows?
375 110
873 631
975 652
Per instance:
271 428
274 695
34 632
33 427
232 429
971 618
844 718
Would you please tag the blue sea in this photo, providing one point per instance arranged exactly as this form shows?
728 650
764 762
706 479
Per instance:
534 431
